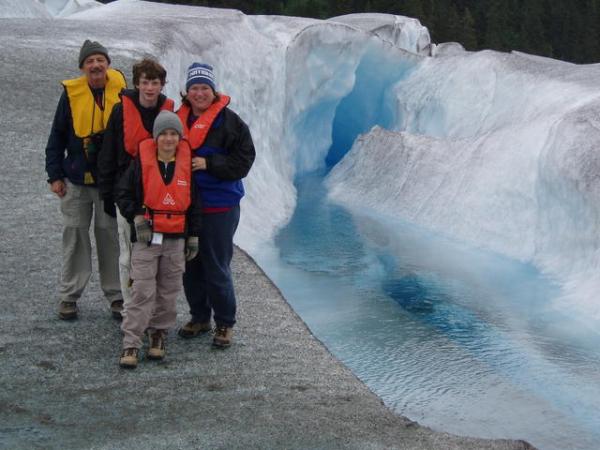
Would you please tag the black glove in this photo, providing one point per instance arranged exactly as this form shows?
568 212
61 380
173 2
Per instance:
108 204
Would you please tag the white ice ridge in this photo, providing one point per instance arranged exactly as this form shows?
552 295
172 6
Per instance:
44 8
12 9
498 150
403 32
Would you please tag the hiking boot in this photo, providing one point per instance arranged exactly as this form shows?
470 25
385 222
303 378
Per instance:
116 308
191 329
223 337
129 358
156 350
67 310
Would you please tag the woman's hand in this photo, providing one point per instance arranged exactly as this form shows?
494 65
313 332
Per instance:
198 163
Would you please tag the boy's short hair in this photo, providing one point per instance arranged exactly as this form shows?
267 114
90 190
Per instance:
151 69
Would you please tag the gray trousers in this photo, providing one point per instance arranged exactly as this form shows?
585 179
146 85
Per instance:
124 258
156 271
78 206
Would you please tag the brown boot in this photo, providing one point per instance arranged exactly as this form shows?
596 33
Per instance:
191 329
156 350
223 337
116 309
67 310
129 358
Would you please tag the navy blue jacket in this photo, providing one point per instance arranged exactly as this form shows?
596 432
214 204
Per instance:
62 137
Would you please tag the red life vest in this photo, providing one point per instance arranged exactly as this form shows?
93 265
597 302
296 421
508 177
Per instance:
166 204
197 134
133 127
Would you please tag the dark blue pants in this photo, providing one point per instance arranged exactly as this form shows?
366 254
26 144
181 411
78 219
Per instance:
207 280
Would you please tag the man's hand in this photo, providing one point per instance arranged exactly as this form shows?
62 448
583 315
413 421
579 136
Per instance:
58 187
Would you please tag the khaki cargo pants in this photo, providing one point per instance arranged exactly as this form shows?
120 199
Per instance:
124 231
78 206
156 271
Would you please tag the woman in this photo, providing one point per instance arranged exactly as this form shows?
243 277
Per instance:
223 153
156 195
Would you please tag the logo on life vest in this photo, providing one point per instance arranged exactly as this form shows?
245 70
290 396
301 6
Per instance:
181 183
168 200
199 125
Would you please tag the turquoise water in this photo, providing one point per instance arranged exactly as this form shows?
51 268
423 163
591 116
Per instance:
457 339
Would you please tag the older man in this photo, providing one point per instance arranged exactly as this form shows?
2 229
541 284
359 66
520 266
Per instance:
79 123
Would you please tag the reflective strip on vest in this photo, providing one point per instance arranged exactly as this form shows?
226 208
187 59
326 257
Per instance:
134 131
83 106
166 203
200 128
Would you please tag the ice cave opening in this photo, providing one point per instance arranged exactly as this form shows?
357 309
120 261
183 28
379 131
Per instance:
368 104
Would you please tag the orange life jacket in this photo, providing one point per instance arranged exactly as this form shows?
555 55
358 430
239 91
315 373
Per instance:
166 204
133 126
197 133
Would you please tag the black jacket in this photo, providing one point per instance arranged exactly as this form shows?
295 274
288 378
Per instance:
113 159
129 195
231 133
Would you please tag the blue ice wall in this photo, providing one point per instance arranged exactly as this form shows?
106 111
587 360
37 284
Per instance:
369 103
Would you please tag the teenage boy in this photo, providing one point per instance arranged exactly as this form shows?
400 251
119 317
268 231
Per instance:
131 122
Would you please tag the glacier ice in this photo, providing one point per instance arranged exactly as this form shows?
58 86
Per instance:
44 8
18 9
501 152
402 32
496 149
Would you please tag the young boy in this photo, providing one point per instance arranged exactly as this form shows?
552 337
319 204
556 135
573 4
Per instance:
155 195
